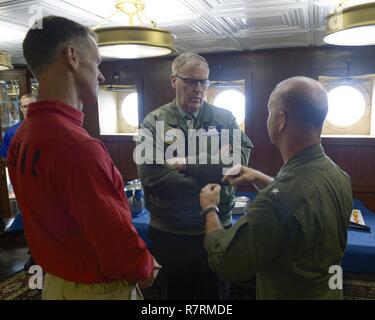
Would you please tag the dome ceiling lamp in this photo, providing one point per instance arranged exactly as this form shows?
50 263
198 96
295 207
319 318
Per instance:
352 26
132 42
5 61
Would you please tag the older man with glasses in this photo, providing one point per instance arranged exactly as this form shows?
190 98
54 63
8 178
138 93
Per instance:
172 188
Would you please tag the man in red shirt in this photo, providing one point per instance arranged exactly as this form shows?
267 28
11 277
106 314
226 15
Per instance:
76 216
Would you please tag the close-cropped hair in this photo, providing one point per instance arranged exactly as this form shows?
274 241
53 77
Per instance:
42 45
306 108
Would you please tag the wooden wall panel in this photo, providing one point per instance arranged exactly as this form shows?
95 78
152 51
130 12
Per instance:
262 71
122 155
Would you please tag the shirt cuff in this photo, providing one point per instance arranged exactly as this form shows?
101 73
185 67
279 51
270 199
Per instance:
213 237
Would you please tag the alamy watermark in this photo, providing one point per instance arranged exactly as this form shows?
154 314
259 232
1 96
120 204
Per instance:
164 145
335 282
35 21
36 280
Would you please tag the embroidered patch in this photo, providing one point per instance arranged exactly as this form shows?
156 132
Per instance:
170 135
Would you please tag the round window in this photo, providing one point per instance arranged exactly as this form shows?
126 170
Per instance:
129 109
234 101
346 105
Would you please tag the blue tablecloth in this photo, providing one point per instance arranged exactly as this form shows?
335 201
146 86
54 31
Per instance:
360 250
141 224
359 255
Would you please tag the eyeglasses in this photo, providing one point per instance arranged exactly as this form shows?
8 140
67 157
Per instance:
193 82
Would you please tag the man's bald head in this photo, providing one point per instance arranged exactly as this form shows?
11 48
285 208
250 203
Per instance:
303 99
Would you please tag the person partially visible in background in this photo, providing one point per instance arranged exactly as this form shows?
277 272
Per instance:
25 100
17 223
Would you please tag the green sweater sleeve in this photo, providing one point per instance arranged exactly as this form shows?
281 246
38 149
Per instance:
238 253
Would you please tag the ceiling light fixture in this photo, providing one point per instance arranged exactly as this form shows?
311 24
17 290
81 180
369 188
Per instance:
352 26
5 61
131 42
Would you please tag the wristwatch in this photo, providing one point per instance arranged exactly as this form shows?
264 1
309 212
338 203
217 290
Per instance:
204 212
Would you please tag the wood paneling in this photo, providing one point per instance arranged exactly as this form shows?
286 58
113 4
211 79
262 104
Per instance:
263 70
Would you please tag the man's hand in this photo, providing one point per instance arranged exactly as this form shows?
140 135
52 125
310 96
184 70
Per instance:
244 176
150 280
240 176
210 196
177 163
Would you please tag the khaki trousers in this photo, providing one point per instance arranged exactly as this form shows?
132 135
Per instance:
55 288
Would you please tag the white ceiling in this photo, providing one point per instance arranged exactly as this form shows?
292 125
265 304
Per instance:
199 25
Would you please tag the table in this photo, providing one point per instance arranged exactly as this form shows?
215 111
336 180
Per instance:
359 256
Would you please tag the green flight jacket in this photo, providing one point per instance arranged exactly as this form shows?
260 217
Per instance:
172 196
293 232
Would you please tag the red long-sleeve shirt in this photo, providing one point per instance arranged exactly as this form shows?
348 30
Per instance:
77 220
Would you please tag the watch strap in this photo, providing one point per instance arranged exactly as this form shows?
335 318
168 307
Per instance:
204 212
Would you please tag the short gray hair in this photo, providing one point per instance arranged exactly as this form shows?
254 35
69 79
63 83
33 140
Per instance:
184 58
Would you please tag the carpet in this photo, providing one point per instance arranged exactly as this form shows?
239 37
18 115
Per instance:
16 288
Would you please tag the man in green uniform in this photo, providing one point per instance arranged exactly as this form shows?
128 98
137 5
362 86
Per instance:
172 188
296 228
